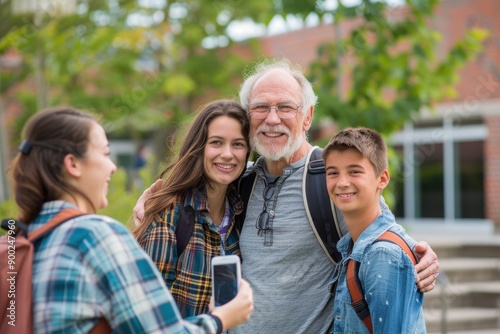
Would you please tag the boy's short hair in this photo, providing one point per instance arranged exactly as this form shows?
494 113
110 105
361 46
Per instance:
366 141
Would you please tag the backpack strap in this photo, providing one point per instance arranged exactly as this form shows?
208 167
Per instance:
245 189
185 227
356 291
20 227
102 327
320 210
390 236
62 217
354 284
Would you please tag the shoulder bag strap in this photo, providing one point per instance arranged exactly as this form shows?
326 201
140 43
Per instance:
63 216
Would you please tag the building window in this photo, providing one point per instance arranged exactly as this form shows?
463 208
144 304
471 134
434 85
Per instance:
442 171
470 179
429 180
397 183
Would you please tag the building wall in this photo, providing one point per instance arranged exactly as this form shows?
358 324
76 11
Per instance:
492 168
453 18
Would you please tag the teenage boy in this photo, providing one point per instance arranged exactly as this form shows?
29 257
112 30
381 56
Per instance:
356 173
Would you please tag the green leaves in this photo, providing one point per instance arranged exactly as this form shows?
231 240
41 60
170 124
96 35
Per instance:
393 66
179 84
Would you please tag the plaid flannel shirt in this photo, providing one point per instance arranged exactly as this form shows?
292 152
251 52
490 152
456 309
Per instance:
92 267
189 276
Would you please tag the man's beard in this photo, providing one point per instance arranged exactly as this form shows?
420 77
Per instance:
287 151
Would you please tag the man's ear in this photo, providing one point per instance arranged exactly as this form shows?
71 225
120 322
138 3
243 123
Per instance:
72 165
308 117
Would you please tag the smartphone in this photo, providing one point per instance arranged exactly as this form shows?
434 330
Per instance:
226 276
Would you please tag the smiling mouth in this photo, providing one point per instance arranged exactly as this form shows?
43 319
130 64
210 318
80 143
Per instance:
345 195
272 134
225 166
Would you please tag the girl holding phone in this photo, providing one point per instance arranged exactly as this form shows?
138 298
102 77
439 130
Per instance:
91 267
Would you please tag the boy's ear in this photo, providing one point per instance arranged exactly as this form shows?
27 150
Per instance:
72 165
384 179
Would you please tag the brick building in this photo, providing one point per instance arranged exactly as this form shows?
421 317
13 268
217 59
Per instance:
451 157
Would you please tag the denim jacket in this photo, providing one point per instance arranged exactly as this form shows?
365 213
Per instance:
387 276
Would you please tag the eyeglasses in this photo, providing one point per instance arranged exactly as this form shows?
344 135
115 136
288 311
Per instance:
262 223
284 110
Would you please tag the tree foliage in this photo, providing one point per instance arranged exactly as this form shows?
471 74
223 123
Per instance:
392 64
141 64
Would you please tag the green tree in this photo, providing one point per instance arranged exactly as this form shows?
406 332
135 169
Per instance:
391 63
141 64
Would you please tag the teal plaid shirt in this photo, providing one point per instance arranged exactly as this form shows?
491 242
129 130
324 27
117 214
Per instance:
188 276
92 267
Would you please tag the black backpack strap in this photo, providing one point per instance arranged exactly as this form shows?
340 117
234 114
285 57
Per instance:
354 284
185 227
19 226
245 188
319 206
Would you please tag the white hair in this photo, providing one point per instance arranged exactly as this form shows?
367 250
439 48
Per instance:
309 99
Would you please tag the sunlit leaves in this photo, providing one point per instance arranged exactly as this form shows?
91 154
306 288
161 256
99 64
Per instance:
179 84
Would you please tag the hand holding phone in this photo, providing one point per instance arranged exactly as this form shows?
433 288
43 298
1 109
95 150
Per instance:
238 310
226 276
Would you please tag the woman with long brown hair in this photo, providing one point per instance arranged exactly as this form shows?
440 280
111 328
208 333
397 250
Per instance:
198 190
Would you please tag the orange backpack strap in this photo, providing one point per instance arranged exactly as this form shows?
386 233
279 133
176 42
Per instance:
102 327
356 291
396 239
354 284
61 217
